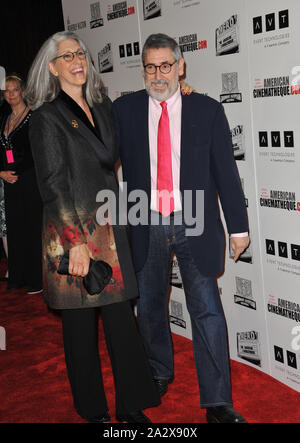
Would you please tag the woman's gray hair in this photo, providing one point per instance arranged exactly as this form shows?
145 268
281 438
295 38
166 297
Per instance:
157 41
43 87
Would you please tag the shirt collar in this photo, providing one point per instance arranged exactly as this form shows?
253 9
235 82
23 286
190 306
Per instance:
171 101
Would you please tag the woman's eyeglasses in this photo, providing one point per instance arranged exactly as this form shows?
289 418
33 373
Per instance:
69 56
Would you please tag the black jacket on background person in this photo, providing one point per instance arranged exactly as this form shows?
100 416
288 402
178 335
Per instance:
23 208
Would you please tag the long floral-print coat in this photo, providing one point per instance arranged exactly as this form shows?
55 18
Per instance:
74 161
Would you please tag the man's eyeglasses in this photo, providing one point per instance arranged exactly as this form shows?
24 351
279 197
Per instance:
69 56
165 68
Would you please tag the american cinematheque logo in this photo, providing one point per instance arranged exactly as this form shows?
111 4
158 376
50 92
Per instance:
284 308
118 10
279 200
230 88
152 9
280 86
227 37
191 43
96 17
248 347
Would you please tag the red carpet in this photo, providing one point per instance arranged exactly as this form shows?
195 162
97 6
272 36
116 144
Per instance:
34 386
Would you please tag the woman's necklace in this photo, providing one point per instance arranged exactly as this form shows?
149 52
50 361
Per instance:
12 120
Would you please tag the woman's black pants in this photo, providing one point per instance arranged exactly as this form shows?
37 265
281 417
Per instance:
134 388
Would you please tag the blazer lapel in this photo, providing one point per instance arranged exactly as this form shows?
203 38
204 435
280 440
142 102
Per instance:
78 125
185 118
142 133
104 122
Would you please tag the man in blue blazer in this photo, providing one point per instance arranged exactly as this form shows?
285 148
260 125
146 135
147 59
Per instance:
177 150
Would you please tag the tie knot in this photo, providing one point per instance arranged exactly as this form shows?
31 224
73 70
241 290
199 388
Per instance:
163 105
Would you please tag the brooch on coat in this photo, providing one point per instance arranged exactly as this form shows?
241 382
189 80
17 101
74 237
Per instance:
74 124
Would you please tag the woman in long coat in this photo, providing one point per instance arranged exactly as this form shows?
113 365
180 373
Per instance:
72 143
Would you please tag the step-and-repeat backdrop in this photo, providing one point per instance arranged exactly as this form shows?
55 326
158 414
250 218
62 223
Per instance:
245 54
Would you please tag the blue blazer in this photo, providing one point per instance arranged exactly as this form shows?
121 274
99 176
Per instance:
207 164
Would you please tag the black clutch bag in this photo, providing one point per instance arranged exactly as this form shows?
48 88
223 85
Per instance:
97 278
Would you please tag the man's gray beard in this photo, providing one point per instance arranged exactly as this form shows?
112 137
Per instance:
161 96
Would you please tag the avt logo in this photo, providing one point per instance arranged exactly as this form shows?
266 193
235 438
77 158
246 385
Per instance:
291 357
269 23
283 250
2 339
129 49
276 139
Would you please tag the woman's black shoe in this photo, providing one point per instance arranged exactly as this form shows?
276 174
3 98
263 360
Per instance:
105 418
133 417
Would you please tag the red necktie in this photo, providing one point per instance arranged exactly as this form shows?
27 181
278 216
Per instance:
165 199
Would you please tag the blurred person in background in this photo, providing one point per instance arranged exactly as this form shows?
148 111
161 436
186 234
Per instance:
3 232
23 205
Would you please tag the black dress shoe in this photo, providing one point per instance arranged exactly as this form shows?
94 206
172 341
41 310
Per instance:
133 417
162 385
223 414
105 418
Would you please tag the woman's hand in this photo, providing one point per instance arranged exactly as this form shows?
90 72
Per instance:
79 260
9 176
186 88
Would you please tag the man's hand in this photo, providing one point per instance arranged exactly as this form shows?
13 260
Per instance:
238 245
79 261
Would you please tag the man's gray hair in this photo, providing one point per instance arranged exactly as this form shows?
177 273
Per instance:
157 41
42 86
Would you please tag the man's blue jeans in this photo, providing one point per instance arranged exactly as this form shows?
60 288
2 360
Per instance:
205 309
